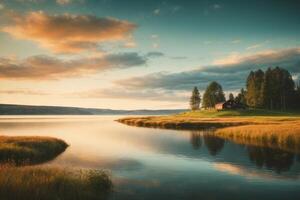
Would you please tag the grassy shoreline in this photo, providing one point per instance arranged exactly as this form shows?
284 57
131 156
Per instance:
252 127
47 183
20 180
28 150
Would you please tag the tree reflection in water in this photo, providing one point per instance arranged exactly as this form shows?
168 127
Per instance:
214 144
262 156
196 139
273 159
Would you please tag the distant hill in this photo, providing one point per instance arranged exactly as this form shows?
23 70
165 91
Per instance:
12 109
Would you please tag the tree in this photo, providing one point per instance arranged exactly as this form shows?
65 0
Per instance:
297 97
278 89
195 99
213 94
273 89
254 88
231 97
241 97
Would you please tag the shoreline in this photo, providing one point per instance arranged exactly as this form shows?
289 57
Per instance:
268 131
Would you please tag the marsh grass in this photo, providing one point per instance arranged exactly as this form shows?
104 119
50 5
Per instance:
48 183
29 150
182 123
250 127
283 135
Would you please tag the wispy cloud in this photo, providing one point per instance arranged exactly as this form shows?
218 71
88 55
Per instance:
156 11
63 2
236 41
255 46
176 8
216 6
79 32
179 57
154 36
47 67
146 94
23 92
154 54
231 75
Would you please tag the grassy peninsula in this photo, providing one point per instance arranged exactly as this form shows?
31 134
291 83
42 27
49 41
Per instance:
20 180
255 127
29 150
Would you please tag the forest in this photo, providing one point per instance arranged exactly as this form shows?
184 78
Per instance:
273 89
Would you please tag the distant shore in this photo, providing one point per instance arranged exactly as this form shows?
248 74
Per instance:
14 109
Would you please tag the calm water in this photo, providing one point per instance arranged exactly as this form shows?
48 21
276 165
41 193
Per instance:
166 164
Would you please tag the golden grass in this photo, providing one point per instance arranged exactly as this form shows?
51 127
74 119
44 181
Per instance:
271 129
281 134
182 122
29 150
36 183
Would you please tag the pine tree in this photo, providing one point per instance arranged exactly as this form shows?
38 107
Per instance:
195 99
274 89
254 88
231 97
213 94
241 97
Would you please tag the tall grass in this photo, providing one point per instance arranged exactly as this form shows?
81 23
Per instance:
283 135
29 150
45 183
180 122
252 127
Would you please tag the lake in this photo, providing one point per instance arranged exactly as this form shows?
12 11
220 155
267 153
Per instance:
148 163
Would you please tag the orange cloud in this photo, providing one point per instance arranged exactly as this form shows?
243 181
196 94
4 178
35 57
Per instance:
67 33
46 67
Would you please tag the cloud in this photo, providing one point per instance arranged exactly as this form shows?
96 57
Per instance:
179 57
66 2
147 94
255 46
231 74
216 6
152 54
156 11
23 92
63 2
154 36
129 44
79 32
47 67
235 41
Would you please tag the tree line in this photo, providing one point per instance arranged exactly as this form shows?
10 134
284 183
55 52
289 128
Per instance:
272 89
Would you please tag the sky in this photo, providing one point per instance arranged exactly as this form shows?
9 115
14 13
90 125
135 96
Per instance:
139 54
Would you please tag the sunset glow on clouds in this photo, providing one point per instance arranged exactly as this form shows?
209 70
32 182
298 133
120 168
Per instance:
67 33
138 54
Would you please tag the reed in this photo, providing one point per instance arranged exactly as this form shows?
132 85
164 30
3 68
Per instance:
48 183
283 135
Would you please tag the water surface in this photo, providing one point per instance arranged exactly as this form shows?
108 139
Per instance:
165 164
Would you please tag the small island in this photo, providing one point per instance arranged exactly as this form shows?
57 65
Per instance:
265 114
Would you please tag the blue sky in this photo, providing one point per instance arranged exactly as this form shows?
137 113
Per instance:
139 54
